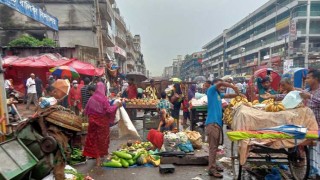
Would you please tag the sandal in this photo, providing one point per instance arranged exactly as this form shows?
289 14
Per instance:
219 169
215 174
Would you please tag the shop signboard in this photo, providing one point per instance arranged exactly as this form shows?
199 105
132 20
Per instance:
293 30
32 11
120 51
287 65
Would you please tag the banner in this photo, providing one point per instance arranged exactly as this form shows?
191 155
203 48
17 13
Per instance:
33 11
120 51
283 24
293 30
287 65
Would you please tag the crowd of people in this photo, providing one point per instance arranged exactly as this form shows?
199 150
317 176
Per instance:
93 99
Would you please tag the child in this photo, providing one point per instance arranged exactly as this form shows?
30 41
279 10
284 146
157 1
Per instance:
164 106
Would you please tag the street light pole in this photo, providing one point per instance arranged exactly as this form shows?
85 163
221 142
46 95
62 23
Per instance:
306 57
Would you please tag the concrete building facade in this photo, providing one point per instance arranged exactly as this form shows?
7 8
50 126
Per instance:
77 26
191 66
167 72
273 33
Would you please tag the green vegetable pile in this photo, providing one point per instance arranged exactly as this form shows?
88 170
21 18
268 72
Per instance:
76 157
133 154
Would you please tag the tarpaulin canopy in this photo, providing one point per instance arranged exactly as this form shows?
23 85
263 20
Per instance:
41 61
86 68
297 75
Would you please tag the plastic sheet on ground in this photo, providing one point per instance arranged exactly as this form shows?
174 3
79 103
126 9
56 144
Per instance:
251 119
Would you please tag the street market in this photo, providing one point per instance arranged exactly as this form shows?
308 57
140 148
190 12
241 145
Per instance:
83 98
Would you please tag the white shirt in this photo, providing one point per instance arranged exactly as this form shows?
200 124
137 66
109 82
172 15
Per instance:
7 84
229 91
31 85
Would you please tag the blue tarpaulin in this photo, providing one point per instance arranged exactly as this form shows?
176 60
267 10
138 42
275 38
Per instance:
297 75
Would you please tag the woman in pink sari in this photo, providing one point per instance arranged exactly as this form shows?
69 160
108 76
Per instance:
100 115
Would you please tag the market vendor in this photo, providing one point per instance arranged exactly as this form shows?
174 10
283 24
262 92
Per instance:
214 122
265 88
164 108
286 85
312 99
151 91
132 91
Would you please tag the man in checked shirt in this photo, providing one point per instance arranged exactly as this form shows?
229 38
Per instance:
312 97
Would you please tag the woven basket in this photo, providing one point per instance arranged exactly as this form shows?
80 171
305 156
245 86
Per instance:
65 119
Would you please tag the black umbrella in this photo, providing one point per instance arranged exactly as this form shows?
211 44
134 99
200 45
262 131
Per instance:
136 77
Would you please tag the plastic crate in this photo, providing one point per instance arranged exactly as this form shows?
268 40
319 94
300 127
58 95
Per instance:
198 115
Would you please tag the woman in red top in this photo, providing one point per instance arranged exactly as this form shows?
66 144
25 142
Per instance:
132 90
100 114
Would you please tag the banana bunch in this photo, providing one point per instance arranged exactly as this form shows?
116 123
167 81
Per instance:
268 101
227 116
255 102
275 107
238 100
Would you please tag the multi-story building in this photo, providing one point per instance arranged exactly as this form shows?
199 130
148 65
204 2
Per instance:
140 65
77 26
191 66
167 72
266 37
176 66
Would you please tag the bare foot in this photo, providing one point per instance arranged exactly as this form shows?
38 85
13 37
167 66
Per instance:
98 161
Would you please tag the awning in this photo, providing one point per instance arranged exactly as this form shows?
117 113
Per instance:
86 68
41 61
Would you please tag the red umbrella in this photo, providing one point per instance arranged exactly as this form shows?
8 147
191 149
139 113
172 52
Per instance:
262 73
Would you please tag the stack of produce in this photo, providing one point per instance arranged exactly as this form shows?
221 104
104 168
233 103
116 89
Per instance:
227 116
142 102
273 106
133 154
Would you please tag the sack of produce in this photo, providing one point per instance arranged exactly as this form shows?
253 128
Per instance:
195 139
183 138
171 142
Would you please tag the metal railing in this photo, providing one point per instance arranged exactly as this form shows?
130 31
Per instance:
117 16
122 36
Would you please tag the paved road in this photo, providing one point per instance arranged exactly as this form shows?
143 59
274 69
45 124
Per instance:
144 173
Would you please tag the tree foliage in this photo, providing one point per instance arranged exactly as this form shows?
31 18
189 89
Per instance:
29 41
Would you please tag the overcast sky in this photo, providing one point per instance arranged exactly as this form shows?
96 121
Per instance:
178 27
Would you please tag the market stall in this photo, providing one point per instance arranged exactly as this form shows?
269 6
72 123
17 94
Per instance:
270 133
253 87
149 121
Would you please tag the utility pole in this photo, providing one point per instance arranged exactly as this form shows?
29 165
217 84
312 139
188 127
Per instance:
99 34
3 96
306 57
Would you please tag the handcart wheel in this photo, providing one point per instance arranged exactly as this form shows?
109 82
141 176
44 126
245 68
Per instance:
235 160
299 162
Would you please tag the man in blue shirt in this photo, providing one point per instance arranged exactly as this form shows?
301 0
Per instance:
214 122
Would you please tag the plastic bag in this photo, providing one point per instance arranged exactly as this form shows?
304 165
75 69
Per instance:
195 139
171 142
292 100
186 147
183 137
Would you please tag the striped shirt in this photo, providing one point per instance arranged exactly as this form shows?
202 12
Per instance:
314 103
85 95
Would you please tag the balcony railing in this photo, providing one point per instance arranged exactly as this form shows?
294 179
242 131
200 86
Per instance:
122 36
117 16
